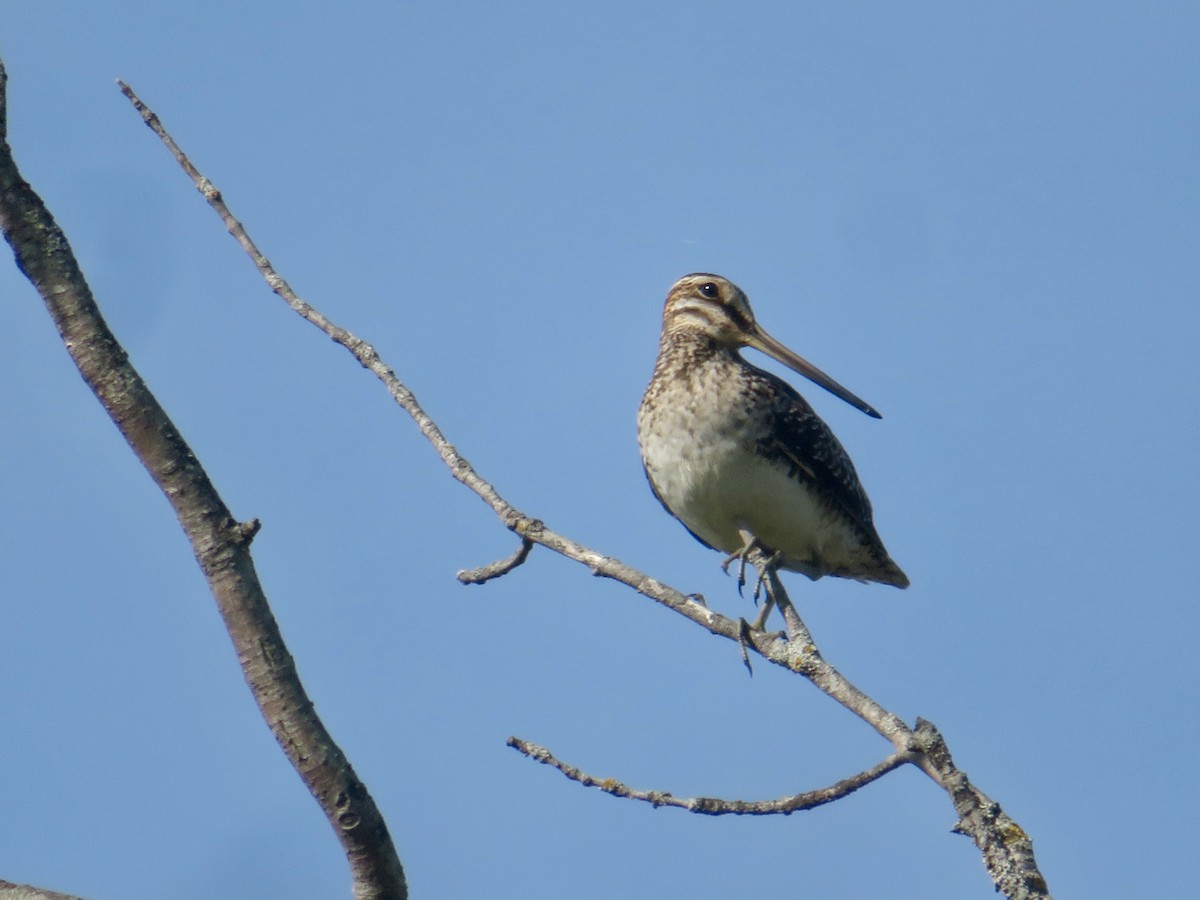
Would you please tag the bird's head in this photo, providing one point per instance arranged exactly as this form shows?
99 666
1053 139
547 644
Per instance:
715 308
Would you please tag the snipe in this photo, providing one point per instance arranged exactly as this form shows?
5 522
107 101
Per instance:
739 457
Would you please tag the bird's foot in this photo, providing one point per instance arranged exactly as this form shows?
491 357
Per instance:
744 644
740 557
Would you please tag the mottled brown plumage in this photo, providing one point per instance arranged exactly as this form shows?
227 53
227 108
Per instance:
738 456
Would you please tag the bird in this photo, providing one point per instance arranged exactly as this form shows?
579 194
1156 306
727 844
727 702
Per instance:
738 456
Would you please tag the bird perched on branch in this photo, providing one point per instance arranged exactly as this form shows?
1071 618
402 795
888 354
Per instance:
740 458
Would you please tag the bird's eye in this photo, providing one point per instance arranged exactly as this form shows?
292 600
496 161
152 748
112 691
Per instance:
709 290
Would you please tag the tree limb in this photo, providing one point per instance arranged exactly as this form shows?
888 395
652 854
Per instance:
1007 849
10 891
220 542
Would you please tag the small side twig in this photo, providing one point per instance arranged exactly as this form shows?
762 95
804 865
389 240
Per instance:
499 567
713 806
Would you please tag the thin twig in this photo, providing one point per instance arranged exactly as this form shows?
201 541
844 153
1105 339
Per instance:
1008 852
499 567
712 806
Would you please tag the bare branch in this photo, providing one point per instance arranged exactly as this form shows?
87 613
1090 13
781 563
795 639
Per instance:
712 806
220 543
499 567
1007 850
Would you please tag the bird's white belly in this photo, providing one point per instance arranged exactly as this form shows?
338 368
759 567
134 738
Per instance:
722 491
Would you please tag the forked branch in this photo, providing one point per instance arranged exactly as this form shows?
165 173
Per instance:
1007 850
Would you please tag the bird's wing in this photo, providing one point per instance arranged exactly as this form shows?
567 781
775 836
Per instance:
804 442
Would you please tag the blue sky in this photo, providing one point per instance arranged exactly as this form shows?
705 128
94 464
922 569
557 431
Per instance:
981 219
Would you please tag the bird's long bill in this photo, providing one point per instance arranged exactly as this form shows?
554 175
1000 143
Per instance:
760 340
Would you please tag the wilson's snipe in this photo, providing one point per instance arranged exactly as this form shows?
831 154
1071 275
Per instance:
739 457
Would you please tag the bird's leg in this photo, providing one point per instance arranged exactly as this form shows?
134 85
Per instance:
761 586
760 622
768 567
